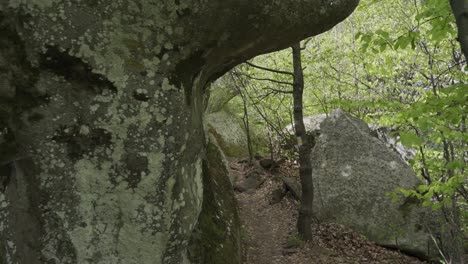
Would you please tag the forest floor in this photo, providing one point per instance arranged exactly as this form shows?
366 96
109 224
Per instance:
269 230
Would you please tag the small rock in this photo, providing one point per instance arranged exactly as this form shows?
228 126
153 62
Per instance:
253 181
267 163
277 195
289 251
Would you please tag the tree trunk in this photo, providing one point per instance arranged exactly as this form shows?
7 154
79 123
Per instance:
101 103
305 219
460 10
245 120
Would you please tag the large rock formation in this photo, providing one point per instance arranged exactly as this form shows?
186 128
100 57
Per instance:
312 125
101 106
229 133
216 237
352 173
220 93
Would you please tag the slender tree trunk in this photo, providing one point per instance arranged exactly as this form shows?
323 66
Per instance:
304 222
460 10
245 119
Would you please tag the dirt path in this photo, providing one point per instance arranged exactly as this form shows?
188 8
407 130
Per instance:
266 226
269 237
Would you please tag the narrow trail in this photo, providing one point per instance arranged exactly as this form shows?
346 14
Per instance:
266 226
268 231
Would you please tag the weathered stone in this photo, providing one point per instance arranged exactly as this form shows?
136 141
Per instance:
220 93
216 237
267 163
352 173
384 134
252 181
277 195
106 122
293 186
312 125
229 133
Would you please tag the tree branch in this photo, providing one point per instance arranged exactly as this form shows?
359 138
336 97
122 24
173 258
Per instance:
277 90
268 69
265 79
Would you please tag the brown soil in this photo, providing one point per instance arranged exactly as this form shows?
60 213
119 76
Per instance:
269 235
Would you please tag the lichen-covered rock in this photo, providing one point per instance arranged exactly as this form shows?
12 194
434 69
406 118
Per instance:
216 237
229 133
101 107
352 173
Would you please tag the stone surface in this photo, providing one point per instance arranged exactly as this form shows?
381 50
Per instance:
353 172
312 125
220 93
216 237
267 163
277 195
252 181
229 133
293 186
392 142
104 139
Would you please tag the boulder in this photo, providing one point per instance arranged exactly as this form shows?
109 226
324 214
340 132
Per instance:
267 163
277 195
353 172
311 123
293 186
219 94
229 133
216 237
252 181
384 134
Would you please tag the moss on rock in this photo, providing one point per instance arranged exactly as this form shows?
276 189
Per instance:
216 238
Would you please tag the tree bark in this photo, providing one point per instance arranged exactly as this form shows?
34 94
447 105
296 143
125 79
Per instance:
460 10
101 105
305 219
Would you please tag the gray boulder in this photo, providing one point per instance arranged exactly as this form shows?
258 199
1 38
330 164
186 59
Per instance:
252 181
219 94
293 186
353 172
384 134
229 133
311 123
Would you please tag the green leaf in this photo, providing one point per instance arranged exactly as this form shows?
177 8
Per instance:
410 139
436 206
423 188
402 42
454 165
383 34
